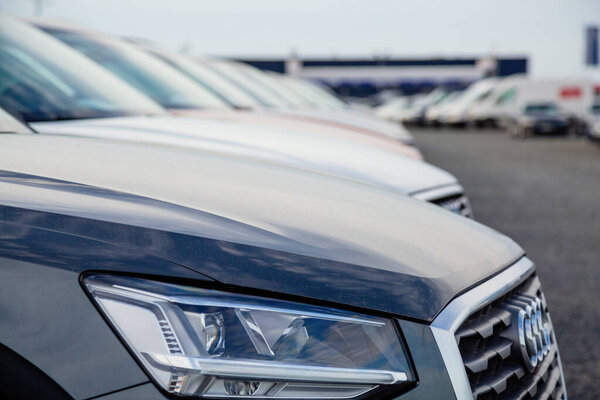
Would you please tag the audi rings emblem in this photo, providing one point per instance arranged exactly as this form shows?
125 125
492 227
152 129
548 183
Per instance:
533 329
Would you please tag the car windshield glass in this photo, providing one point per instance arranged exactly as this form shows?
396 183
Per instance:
151 76
541 108
484 96
441 98
296 95
506 96
451 96
325 93
596 109
234 75
314 95
209 78
473 94
284 96
41 79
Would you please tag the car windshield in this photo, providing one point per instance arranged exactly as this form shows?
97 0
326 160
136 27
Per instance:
151 76
295 95
474 93
233 73
325 93
309 91
506 96
284 96
209 78
41 79
541 108
596 109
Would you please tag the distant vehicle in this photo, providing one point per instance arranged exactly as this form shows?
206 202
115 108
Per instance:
415 114
593 122
319 96
573 96
252 80
434 113
395 109
456 113
540 118
411 110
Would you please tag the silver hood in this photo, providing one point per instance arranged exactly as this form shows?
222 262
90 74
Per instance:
328 154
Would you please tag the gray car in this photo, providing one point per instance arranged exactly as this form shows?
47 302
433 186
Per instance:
149 271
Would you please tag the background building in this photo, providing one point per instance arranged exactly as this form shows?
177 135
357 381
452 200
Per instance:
365 77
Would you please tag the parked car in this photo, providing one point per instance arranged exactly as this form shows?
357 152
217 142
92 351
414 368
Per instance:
350 118
323 96
396 109
56 90
540 118
456 112
151 271
147 73
434 113
411 110
416 114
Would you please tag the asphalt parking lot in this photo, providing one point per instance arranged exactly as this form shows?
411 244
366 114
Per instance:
544 192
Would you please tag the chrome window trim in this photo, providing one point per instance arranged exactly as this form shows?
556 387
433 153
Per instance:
449 320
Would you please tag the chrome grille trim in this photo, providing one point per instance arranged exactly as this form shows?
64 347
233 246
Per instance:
438 192
452 317
450 197
458 204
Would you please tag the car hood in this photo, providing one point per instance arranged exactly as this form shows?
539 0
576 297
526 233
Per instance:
367 123
309 126
327 153
250 224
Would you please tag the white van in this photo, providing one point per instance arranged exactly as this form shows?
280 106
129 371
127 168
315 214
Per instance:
572 95
456 112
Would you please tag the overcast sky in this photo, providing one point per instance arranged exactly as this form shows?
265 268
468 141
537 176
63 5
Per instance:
550 32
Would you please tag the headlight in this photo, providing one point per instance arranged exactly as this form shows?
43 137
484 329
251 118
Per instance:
207 343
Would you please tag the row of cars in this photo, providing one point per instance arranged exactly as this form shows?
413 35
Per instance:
521 105
173 227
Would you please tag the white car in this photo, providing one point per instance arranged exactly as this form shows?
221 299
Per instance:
457 112
163 82
396 109
64 93
433 114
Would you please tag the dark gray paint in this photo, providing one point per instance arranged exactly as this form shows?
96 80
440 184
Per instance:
433 381
249 224
143 392
47 319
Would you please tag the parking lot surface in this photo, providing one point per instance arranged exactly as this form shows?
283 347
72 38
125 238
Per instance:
544 192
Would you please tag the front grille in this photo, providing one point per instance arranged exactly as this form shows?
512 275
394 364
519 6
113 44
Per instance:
493 354
458 204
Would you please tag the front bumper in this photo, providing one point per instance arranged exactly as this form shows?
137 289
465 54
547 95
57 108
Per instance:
434 350
60 332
